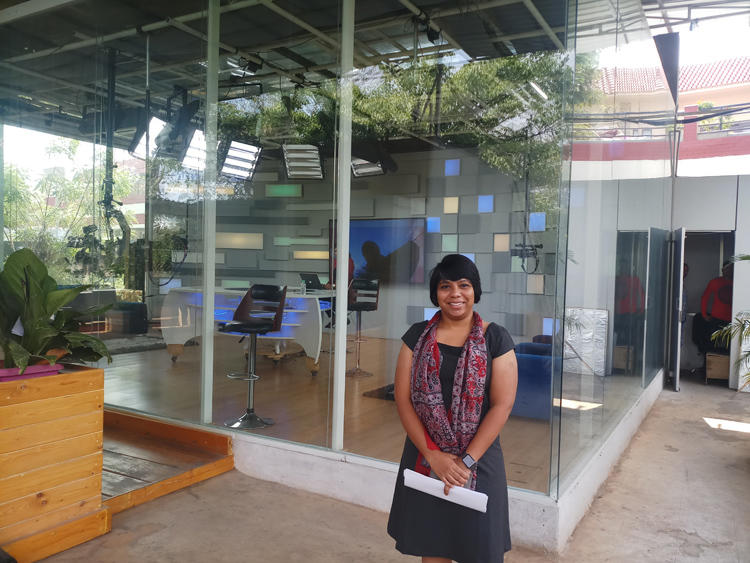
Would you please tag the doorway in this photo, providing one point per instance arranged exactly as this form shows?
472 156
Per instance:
705 252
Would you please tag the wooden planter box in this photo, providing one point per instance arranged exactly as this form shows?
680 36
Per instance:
51 463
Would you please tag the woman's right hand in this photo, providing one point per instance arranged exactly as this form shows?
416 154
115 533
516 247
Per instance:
449 468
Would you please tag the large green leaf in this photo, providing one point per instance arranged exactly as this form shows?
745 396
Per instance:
18 266
79 342
19 356
58 298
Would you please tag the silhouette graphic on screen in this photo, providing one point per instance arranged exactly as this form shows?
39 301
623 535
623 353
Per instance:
398 266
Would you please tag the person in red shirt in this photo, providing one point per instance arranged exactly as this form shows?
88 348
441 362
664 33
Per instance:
716 310
718 294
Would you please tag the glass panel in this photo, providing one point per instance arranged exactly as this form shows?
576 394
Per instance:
274 224
656 306
103 159
464 158
620 188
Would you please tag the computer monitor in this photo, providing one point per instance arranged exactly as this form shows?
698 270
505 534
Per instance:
311 281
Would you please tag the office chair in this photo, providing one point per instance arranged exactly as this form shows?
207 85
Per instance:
363 296
260 311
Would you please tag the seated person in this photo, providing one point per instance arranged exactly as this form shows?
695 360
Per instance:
716 309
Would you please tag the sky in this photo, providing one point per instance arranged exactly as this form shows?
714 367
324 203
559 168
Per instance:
709 41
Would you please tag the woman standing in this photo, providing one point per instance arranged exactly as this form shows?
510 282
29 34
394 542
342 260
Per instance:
455 385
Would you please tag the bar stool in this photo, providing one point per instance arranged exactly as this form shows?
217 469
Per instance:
363 296
259 312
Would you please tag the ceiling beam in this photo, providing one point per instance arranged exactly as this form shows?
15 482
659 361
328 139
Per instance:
324 38
543 24
418 12
96 41
526 34
31 8
236 51
665 16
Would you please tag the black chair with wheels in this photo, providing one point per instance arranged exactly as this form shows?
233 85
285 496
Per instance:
363 296
259 312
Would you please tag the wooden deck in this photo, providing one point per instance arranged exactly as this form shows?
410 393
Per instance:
146 458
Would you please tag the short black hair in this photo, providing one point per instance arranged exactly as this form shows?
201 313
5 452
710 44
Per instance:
451 268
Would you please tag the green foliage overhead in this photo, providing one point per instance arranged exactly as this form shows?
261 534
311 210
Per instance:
30 296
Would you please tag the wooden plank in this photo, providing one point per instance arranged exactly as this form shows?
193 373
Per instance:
50 499
114 484
156 490
57 539
23 437
38 480
34 412
48 519
27 459
194 437
79 380
141 469
156 449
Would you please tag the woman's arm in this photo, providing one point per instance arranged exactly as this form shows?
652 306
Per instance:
446 466
502 397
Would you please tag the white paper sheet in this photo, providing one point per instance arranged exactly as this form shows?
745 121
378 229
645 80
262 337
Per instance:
436 488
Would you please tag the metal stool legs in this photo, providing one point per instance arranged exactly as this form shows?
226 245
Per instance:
357 371
249 419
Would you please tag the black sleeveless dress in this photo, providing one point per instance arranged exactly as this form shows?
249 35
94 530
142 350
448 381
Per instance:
427 526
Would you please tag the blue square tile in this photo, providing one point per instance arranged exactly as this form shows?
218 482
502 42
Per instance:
453 167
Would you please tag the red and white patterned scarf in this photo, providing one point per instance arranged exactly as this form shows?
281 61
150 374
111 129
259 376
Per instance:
450 431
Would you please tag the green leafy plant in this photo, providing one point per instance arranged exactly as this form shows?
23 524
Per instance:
739 328
34 325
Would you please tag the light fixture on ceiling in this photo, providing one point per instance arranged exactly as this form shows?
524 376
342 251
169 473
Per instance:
195 155
138 145
538 90
361 167
241 160
302 161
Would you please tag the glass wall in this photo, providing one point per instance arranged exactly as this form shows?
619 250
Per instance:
457 149
104 155
173 158
617 255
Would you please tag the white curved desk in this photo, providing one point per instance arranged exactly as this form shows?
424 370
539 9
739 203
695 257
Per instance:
182 311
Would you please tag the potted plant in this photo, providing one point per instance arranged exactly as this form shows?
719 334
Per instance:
51 428
36 330
740 327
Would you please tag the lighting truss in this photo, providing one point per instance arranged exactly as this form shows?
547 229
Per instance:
302 161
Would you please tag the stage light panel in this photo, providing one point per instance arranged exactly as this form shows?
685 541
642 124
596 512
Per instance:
241 160
155 126
302 161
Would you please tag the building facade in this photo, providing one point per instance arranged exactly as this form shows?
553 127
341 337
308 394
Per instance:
271 139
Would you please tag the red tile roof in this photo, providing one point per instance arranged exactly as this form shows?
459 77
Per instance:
692 77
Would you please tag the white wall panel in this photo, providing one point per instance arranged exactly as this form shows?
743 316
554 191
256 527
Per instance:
705 204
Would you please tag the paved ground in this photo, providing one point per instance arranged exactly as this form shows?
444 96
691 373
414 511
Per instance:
681 492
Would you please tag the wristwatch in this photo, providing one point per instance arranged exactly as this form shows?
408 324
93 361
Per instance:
469 461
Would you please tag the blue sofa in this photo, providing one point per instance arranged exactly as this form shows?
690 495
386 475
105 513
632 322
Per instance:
534 394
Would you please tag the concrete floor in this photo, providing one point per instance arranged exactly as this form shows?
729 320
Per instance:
681 492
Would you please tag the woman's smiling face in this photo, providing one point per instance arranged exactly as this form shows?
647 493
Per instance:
455 298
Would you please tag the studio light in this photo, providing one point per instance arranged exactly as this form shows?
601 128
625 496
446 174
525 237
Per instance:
361 167
195 156
538 90
155 127
302 161
241 160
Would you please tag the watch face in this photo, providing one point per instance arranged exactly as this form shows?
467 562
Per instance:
469 461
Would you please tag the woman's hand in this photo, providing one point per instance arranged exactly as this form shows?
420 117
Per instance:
449 468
